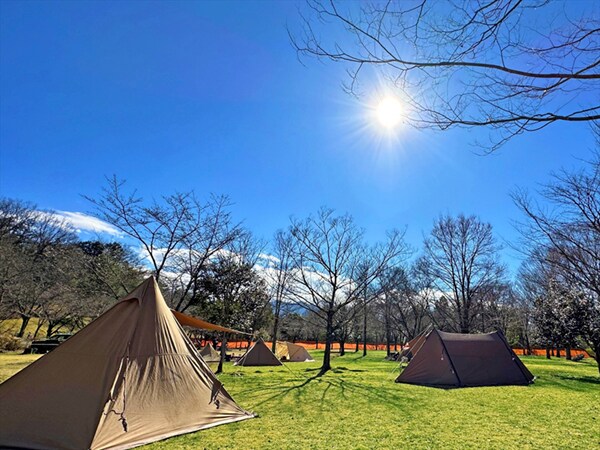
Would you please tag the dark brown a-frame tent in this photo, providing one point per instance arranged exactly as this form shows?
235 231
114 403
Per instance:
259 355
450 360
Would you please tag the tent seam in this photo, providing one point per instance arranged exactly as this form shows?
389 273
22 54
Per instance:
449 358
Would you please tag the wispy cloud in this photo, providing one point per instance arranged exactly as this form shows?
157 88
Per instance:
82 222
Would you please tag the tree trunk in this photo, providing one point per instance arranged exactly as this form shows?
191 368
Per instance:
568 353
328 341
49 328
388 339
547 352
38 328
463 317
365 331
317 344
596 347
24 322
223 353
342 348
356 349
558 352
275 326
464 328
388 343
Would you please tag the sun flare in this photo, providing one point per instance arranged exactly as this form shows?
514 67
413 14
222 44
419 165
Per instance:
389 112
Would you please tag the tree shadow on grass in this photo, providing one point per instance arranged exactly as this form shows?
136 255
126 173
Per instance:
334 388
280 389
568 382
343 369
580 379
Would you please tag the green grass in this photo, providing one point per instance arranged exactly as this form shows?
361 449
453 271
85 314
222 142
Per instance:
358 405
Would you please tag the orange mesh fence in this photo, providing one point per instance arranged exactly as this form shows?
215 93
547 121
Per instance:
313 345
350 347
542 352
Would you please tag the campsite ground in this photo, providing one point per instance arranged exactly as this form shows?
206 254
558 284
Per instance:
358 405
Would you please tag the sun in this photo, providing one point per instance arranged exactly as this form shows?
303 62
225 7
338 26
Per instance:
389 112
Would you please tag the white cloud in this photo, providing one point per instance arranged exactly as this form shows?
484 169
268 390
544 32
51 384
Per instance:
269 260
84 222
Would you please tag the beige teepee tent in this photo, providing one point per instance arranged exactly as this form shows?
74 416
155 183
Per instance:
259 355
209 354
286 351
129 378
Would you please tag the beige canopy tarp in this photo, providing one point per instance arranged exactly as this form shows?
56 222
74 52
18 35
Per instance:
209 354
193 322
259 355
286 351
129 378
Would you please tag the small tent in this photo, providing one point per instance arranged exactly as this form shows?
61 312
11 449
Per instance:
259 355
128 378
465 360
286 351
209 354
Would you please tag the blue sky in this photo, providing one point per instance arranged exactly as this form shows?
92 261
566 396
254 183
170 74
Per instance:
210 96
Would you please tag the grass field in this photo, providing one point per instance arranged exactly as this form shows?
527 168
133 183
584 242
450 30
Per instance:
358 405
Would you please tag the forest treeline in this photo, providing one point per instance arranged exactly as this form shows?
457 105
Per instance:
318 279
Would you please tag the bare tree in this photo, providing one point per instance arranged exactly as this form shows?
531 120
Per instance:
568 235
329 260
278 273
178 234
403 304
461 258
214 233
420 302
30 241
523 309
111 269
366 297
394 292
67 299
511 66
161 228
344 323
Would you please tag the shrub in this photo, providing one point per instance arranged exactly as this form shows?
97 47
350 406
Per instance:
10 343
